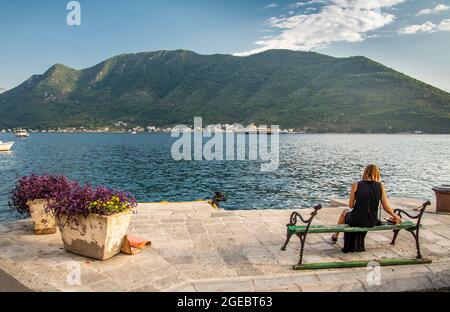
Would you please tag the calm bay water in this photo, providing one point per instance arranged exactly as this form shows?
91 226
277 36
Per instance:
313 168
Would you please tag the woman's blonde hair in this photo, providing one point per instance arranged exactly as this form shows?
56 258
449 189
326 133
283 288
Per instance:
371 173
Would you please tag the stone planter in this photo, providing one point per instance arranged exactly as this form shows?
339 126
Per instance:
98 237
442 198
44 222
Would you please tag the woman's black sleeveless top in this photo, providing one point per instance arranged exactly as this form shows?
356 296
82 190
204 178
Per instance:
367 201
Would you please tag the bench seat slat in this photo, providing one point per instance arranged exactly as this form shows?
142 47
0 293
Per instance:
348 229
358 264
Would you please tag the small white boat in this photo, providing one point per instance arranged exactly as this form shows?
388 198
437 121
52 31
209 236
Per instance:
22 133
5 146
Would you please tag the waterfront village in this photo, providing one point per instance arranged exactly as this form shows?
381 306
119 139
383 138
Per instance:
123 127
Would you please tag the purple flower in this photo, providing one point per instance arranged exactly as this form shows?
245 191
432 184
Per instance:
81 200
34 187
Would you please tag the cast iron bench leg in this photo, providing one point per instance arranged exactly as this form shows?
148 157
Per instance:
395 237
288 238
302 247
415 233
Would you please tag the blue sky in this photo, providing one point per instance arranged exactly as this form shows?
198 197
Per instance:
412 36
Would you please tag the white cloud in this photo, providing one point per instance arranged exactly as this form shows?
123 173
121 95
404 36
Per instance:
308 3
444 25
368 4
339 20
427 27
270 6
413 29
437 9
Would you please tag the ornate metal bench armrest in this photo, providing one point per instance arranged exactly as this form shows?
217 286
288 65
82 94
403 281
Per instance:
295 216
399 212
293 221
422 209
414 231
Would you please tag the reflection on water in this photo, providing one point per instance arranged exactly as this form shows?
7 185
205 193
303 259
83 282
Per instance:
313 168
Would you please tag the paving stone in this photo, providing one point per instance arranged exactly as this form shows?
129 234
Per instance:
438 267
443 243
379 237
224 286
436 249
189 288
284 283
430 221
213 221
323 246
144 288
440 280
220 214
133 276
430 235
200 229
382 254
274 269
102 266
413 283
333 287
109 285
167 281
406 270
445 233
247 270
342 275
217 229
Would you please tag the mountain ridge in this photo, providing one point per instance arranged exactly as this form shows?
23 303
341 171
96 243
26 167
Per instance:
289 88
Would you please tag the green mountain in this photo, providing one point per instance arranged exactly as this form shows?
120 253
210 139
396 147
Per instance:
291 89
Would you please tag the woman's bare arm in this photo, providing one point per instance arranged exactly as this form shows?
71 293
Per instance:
351 202
387 206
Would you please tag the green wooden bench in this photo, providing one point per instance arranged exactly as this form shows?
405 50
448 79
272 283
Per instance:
303 230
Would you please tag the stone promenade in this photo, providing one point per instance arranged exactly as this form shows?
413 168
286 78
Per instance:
197 248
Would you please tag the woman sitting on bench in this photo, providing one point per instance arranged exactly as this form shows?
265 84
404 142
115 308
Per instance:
365 198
